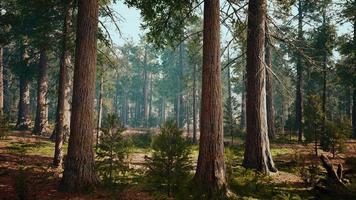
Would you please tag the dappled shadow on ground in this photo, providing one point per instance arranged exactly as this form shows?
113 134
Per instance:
32 175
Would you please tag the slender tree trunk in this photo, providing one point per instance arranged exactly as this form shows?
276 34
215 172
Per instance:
194 105
41 120
354 114
229 101
163 110
300 78
150 100
79 173
243 103
257 152
23 117
1 82
210 173
269 90
63 106
145 91
100 110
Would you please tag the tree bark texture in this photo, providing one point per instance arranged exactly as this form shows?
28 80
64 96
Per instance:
257 152
269 91
23 117
300 79
210 173
79 173
41 120
194 104
63 105
1 82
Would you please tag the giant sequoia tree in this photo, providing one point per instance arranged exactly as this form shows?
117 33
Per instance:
257 153
210 172
79 173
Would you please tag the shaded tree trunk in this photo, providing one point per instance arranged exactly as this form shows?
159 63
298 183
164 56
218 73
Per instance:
63 106
257 152
354 114
243 103
269 91
41 120
194 105
300 79
79 173
23 117
210 172
150 100
229 101
145 91
1 82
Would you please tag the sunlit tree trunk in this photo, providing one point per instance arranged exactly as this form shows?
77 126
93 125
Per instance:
63 106
257 152
210 172
41 120
79 173
100 109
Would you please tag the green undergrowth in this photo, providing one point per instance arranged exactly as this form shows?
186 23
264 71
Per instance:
42 148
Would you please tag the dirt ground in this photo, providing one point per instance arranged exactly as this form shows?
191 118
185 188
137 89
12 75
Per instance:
42 181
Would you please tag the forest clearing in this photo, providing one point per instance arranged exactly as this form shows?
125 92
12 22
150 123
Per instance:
178 100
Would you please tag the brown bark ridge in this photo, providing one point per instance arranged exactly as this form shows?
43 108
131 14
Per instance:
300 79
41 120
23 117
257 152
269 90
79 173
210 174
63 105
1 82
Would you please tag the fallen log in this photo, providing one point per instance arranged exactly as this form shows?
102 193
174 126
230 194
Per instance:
333 184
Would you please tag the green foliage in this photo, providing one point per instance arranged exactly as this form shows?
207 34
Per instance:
170 164
310 174
313 118
111 153
335 136
4 127
286 196
142 140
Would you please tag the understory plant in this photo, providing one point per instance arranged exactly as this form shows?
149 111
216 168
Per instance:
170 165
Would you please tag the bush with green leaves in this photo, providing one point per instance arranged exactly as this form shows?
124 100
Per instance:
112 152
4 127
335 136
170 165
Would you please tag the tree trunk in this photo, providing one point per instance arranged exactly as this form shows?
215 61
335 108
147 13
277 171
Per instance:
354 114
150 100
41 120
269 90
63 105
257 153
79 173
243 103
300 78
23 118
145 91
210 173
194 105
229 101
100 110
1 82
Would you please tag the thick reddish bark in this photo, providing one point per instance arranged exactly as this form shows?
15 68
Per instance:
257 153
210 173
194 105
63 105
79 173
41 121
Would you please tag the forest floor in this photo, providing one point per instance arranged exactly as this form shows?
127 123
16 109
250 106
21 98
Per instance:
25 162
